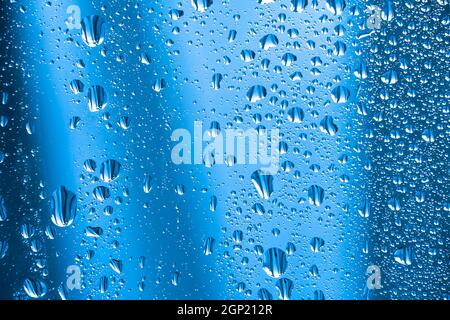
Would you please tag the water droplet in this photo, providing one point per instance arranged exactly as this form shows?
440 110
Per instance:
264 294
268 41
3 211
101 193
116 265
144 58
147 184
159 84
4 121
208 246
298 5
103 284
340 94
288 59
316 243
316 195
390 77
314 271
109 170
175 278
318 295
365 210
124 122
428 135
256 93
361 72
76 86
179 189
394 204
27 230
247 55
213 204
3 249
4 97
328 126
89 165
176 14
34 288
63 207
93 232
74 121
97 98
232 35
295 115
404 255
63 292
93 30
201 5
275 262
216 80
263 183
284 287
339 48
336 6
258 209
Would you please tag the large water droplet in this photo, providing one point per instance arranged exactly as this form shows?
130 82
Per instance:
93 30
275 262
284 287
216 80
109 170
316 195
97 98
336 6
263 183
328 126
89 165
34 288
340 94
63 207
256 93
298 5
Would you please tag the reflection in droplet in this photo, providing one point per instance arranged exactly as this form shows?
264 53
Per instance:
275 262
34 288
109 170
263 183
63 207
256 93
284 287
201 5
316 195
97 98
93 30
